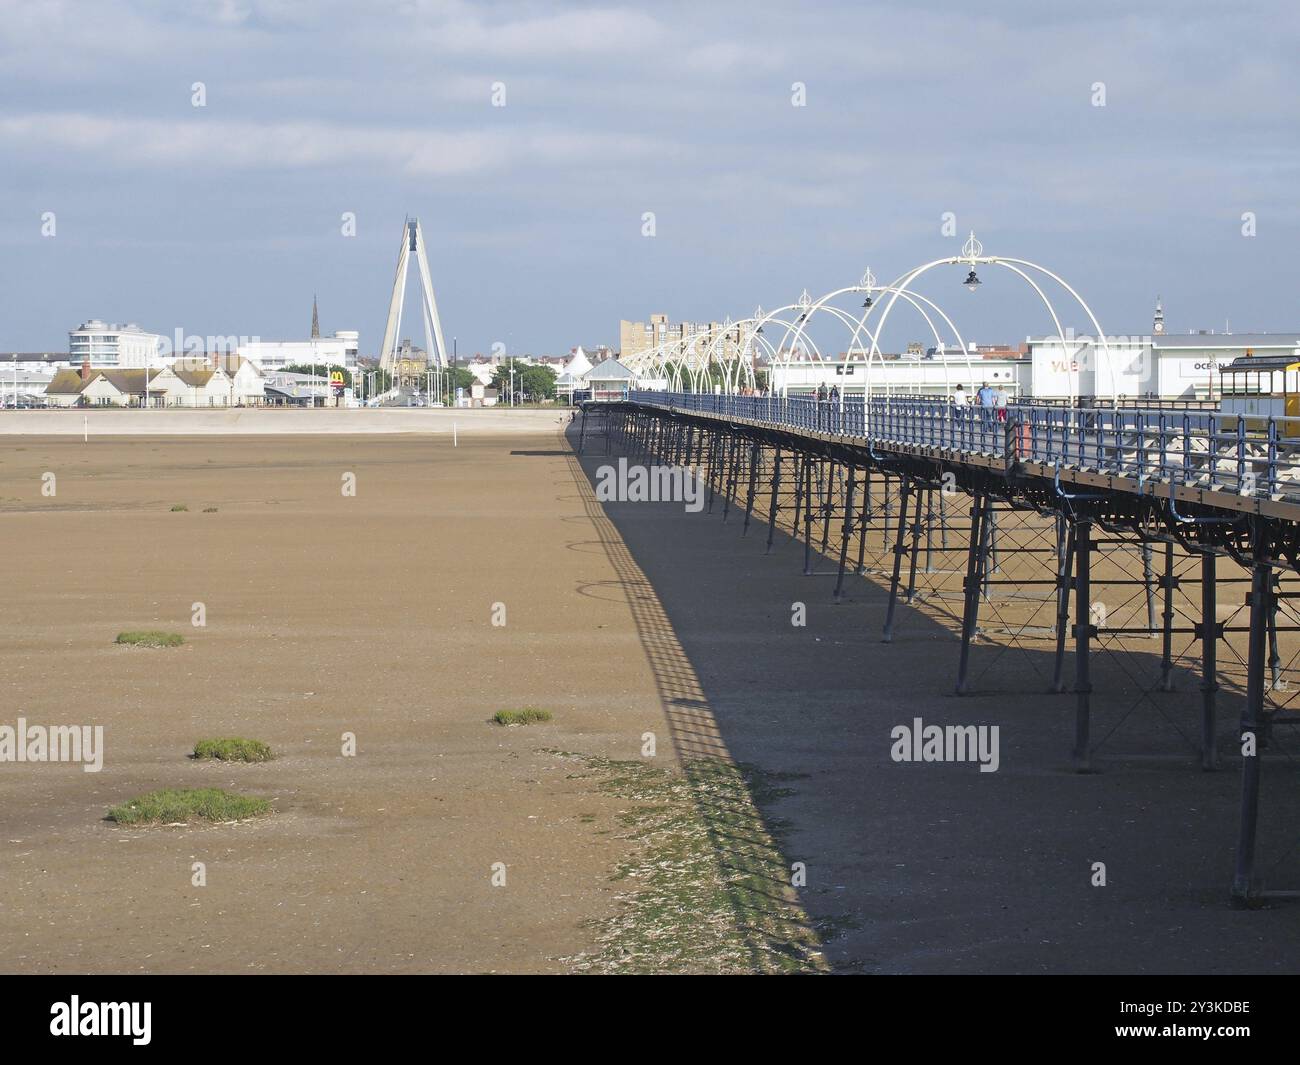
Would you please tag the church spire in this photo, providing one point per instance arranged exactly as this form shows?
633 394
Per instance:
315 319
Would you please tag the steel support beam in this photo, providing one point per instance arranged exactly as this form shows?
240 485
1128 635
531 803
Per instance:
1084 631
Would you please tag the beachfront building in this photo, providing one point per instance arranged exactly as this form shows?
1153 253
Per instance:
100 387
936 372
636 338
610 381
1163 366
572 375
230 382
182 384
113 346
270 355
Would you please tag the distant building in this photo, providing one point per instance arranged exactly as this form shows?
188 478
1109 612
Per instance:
337 350
894 373
482 369
100 387
229 381
610 380
410 362
286 389
636 338
24 388
46 362
1163 366
111 345
185 383
572 376
482 396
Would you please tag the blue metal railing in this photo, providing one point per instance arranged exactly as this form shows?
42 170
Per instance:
1252 457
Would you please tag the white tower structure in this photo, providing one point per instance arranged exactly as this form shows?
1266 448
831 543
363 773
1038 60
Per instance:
413 245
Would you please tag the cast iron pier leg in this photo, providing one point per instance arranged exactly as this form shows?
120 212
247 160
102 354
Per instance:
1084 631
753 483
808 515
847 534
1168 583
900 548
916 546
1064 583
1252 718
1209 662
776 487
971 607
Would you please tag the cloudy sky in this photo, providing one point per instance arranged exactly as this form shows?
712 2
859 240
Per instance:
224 219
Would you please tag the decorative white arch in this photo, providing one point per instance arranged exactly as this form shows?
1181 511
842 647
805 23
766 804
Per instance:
867 286
698 354
972 255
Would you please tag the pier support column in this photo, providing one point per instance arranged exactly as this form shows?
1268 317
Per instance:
1168 582
776 488
846 534
753 484
1252 718
864 520
1209 631
900 548
801 461
808 513
971 591
916 546
1149 585
729 485
1064 585
1084 631
712 468
1274 658
828 503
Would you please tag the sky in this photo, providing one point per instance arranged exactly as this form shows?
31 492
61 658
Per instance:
225 219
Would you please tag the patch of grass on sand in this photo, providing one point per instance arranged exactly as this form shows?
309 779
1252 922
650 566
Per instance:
233 749
178 507
171 805
708 885
209 510
526 716
150 638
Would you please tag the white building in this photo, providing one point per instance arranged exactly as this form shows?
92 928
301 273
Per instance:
573 375
1161 366
610 380
106 344
186 383
229 382
896 375
337 350
483 371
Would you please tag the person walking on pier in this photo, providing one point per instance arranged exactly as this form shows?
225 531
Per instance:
960 402
987 397
821 405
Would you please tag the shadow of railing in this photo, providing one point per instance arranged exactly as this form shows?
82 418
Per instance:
754 873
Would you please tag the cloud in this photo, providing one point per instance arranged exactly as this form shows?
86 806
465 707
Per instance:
145 144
